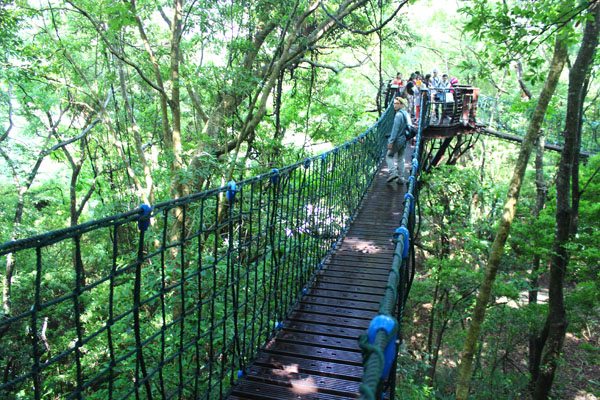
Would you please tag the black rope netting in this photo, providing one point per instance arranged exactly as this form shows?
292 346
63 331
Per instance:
180 309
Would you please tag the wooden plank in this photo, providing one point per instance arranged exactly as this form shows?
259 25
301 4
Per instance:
303 382
342 303
334 331
365 279
347 288
347 264
335 311
340 322
382 257
315 353
344 295
311 339
315 367
371 283
250 390
356 269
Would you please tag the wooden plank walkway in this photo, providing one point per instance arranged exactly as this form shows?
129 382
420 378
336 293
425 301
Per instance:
316 355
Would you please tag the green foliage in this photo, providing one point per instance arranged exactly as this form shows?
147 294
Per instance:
63 73
410 374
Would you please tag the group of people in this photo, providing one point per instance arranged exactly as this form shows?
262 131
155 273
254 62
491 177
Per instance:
440 89
407 104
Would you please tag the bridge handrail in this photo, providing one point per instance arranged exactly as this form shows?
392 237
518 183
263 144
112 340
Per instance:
183 310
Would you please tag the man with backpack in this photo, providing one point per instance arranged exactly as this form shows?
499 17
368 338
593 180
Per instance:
397 141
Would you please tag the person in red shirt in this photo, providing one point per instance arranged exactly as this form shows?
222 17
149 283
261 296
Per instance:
397 85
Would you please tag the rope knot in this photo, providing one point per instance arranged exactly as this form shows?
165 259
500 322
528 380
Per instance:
231 190
144 221
275 177
404 232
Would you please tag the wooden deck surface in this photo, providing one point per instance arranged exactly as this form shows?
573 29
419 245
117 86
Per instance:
316 355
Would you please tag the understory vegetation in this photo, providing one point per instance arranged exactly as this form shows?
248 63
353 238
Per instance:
459 207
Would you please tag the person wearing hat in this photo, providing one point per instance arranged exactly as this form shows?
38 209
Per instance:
397 142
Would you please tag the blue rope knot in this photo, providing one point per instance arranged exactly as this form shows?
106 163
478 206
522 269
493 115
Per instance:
404 232
144 221
307 162
390 326
323 157
231 190
412 200
275 177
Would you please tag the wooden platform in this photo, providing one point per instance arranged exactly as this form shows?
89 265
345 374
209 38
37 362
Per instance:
316 355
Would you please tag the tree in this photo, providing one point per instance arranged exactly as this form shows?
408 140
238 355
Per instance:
550 342
512 46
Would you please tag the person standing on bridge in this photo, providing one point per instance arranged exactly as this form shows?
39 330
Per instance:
397 142
397 85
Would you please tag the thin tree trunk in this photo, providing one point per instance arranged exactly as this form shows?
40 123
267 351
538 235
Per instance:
556 322
540 203
465 368
136 133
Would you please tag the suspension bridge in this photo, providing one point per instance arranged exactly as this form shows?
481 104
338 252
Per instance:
288 285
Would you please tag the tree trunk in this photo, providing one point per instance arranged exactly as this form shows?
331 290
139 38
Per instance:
556 321
540 202
465 368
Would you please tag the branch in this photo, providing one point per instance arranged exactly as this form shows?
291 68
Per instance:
85 200
196 103
522 84
383 24
114 51
13 170
589 181
69 141
337 70
10 112
164 16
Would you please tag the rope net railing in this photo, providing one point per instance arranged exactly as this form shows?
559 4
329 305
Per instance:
506 116
379 343
174 300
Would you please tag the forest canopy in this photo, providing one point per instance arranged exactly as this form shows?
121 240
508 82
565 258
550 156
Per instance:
106 105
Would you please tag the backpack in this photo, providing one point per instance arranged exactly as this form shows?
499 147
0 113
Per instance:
411 132
401 140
